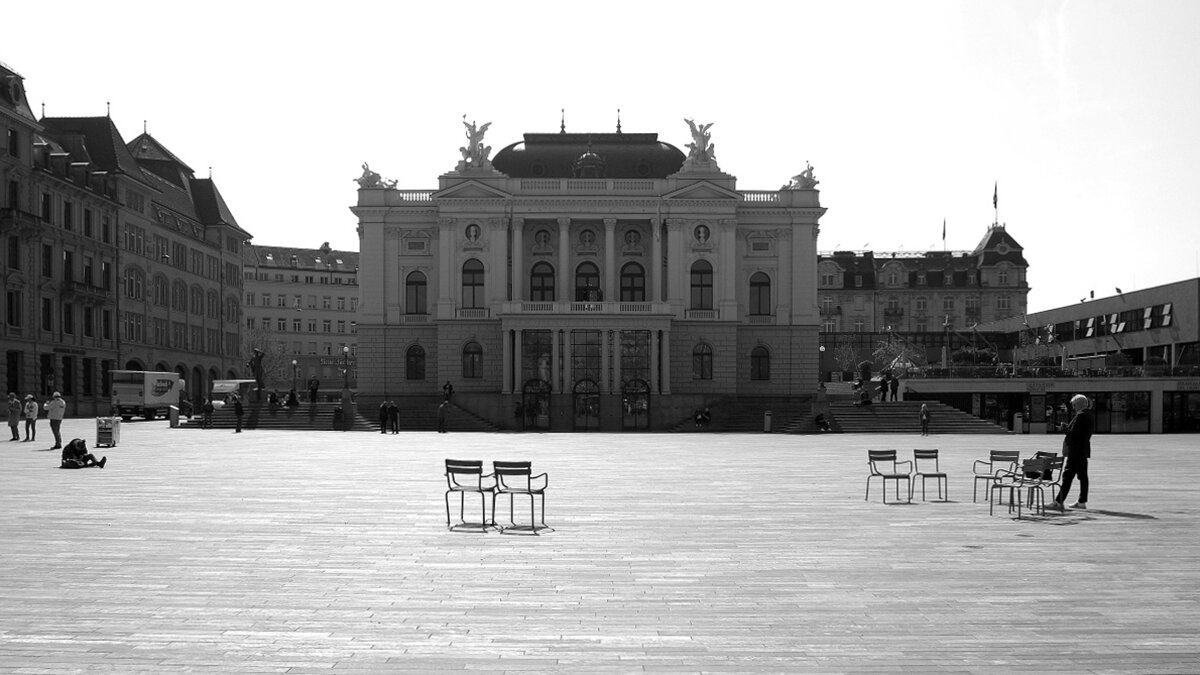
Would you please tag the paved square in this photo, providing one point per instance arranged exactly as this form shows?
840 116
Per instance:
290 552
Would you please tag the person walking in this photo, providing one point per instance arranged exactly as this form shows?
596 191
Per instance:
15 412
894 386
924 419
238 411
394 416
206 407
383 416
448 390
441 416
1077 449
56 408
31 413
313 385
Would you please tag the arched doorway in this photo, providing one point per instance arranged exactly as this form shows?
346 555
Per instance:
535 400
586 399
635 406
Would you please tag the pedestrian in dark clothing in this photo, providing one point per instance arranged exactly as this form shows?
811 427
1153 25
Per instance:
313 385
441 416
894 386
76 456
15 411
31 415
448 390
883 388
238 411
394 416
1077 448
207 408
924 419
383 417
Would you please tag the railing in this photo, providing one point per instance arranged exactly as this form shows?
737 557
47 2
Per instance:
472 313
701 314
759 196
414 318
415 195
766 319
1006 370
588 185
564 307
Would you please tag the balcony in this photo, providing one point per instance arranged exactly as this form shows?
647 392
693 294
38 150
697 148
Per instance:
761 319
80 291
569 308
471 313
893 312
20 222
414 318
831 310
702 314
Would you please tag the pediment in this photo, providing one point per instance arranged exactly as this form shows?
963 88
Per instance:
470 189
703 190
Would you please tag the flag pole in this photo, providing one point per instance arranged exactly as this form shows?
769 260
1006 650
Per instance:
996 203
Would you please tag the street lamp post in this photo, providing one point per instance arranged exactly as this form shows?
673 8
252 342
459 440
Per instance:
346 366
294 371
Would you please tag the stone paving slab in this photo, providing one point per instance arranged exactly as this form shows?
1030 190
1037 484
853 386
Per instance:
292 552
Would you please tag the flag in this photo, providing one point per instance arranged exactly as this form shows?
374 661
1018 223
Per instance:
943 230
996 195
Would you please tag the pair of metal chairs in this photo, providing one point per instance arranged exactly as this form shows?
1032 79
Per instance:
507 478
924 464
1027 484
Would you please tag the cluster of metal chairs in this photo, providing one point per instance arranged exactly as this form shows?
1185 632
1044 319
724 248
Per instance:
464 476
1003 473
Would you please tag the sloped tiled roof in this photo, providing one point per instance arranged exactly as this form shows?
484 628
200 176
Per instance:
103 142
256 255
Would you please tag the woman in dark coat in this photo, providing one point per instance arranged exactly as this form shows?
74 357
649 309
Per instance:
1077 447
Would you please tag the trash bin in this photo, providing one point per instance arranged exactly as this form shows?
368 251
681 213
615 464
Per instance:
173 415
767 422
1019 423
108 431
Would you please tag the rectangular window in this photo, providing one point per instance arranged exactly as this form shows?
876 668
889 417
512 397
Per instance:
281 301
12 308
14 143
47 314
341 303
326 302
106 325
68 271
327 326
87 381
295 325
87 222
68 318
281 325
47 261
46 202
341 326
14 252
68 219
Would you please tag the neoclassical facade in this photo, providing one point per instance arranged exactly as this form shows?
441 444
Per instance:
598 281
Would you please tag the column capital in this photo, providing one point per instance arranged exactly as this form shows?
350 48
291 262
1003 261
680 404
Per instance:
610 223
564 221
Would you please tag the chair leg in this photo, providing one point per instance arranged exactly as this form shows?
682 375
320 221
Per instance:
447 509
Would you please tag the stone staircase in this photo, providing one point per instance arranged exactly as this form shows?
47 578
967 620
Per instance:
419 413
308 417
746 414
904 417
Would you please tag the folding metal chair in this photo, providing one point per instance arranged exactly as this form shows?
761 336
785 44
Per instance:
999 460
516 478
466 476
883 465
925 465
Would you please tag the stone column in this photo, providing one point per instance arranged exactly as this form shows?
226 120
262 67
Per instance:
564 263
677 238
445 267
506 373
555 371
725 292
666 362
518 258
654 269
518 347
610 259
617 362
603 362
567 379
653 346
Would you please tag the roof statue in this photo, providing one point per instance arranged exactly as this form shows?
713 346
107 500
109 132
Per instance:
475 153
805 180
371 179
700 149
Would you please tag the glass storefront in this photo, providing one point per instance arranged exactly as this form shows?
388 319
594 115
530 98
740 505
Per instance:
1181 412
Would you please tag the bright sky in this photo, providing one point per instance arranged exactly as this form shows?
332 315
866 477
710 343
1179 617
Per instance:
1085 112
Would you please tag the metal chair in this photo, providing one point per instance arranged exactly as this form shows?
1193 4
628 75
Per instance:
999 460
922 461
466 476
516 478
883 464
1025 480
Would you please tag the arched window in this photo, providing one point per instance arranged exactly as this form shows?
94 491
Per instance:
587 283
633 283
541 283
760 294
472 361
197 304
214 305
416 296
179 296
760 363
414 363
702 362
472 284
161 296
702 285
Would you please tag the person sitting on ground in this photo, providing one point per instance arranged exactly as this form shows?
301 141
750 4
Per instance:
821 423
864 397
76 456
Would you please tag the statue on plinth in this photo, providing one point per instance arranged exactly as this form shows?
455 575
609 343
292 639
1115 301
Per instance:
701 149
805 180
475 153
371 179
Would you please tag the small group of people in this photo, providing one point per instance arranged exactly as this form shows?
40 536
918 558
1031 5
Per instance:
389 417
27 410
702 417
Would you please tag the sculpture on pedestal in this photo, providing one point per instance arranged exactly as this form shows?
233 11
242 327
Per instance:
475 153
805 180
700 149
371 179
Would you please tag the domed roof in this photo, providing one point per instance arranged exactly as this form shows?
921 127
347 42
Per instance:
558 155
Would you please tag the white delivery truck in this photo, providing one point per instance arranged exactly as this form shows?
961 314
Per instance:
144 392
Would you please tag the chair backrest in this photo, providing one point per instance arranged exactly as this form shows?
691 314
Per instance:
512 475
924 456
1005 456
464 473
1034 466
885 458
